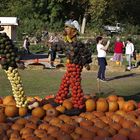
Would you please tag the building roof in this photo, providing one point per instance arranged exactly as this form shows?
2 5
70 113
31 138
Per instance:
8 21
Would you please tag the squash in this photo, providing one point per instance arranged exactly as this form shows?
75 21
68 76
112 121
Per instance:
38 112
102 105
11 111
90 105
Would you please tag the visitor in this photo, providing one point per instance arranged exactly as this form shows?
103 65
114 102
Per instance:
129 50
52 53
26 45
118 51
101 50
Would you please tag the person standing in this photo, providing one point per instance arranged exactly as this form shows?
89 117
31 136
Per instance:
101 50
53 39
129 50
26 45
118 51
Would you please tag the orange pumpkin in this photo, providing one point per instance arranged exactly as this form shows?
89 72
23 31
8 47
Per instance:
134 135
11 111
9 100
129 106
102 105
67 104
38 112
120 103
47 106
60 108
90 105
23 111
119 137
2 117
113 106
112 98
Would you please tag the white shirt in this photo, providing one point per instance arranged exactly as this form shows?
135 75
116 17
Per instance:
101 52
129 49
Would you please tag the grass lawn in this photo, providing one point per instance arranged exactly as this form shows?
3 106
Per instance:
46 82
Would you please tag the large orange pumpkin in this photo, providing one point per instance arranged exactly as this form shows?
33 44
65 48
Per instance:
90 105
38 112
102 105
129 106
113 106
11 111
9 100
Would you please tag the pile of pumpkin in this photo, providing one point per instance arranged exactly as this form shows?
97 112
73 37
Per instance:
110 118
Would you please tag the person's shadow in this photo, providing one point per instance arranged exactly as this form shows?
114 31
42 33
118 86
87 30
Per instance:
122 76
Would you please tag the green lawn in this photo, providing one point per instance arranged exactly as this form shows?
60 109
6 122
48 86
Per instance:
46 82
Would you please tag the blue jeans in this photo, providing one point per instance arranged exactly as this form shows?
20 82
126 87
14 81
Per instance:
128 58
102 67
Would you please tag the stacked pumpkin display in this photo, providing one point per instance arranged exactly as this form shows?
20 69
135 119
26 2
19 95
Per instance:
110 118
78 55
8 60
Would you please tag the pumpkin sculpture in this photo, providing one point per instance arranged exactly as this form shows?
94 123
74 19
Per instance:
8 60
78 55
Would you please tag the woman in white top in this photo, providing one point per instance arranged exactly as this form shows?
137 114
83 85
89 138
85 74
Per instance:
129 50
101 50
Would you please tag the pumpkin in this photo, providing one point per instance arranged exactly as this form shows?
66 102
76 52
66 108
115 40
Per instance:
112 98
9 100
11 111
55 121
38 112
134 135
40 133
75 136
22 111
44 126
113 106
120 103
21 121
119 137
90 105
127 124
102 105
103 133
60 108
129 106
85 123
67 104
124 131
31 125
17 127
2 117
52 112
47 106
67 128
26 130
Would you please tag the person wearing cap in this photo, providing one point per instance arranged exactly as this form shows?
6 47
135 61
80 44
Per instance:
72 29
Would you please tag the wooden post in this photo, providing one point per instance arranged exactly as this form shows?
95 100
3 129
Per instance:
83 25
